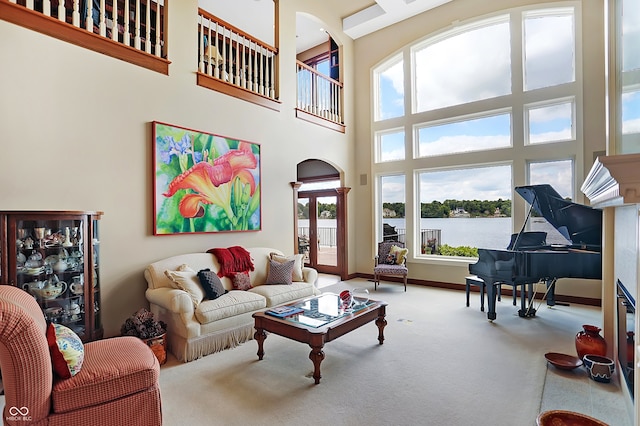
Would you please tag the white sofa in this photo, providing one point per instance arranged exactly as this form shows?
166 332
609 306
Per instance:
225 322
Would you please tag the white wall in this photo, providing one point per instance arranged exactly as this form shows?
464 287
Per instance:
76 135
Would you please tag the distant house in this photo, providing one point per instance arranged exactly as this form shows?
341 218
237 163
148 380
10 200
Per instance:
388 213
459 212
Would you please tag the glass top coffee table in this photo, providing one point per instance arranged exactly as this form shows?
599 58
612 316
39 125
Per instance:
320 319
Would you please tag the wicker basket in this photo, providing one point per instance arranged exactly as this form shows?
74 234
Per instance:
158 345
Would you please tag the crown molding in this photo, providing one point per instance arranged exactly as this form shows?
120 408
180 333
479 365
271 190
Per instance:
613 180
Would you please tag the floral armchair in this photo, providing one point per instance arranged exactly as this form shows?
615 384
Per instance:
117 382
391 260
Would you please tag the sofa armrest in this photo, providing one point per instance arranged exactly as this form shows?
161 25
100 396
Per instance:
171 299
310 275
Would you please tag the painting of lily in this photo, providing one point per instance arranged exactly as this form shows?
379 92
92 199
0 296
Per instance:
204 182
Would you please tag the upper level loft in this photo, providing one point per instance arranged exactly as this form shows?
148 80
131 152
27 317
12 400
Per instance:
230 60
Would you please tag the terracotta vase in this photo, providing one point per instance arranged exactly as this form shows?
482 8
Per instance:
589 341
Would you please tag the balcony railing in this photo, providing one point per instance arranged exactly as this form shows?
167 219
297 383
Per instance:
131 30
319 95
232 60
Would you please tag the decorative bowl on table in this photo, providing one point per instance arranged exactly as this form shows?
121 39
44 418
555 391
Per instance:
563 361
566 418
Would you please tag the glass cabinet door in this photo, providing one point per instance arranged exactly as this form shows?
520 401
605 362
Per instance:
55 258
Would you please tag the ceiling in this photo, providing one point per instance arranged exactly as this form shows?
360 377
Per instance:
359 17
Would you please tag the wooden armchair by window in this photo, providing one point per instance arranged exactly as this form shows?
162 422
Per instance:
390 262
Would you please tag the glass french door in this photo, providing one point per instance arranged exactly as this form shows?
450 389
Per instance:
317 230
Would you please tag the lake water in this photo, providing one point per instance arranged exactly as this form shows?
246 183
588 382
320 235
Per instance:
490 233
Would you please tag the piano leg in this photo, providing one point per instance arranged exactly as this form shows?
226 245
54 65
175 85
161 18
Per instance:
492 295
526 301
551 292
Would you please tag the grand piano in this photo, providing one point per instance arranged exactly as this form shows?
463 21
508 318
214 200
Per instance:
530 258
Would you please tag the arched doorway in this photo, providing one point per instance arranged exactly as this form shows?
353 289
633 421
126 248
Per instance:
320 212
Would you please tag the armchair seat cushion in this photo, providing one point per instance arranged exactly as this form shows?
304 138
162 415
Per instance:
233 303
384 269
104 366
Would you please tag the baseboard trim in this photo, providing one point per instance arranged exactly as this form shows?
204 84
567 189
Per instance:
506 290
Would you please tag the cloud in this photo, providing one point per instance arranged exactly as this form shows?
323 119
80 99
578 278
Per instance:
480 183
463 143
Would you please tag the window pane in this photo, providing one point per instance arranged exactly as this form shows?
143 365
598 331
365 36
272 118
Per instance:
390 86
470 207
549 49
392 197
558 174
630 35
391 146
323 67
314 186
465 136
631 112
465 67
551 123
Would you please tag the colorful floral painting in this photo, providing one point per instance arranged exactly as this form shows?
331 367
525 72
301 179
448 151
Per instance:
204 182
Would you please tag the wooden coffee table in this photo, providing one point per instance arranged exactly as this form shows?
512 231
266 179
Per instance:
322 321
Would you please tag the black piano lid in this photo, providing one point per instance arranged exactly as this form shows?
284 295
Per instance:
580 224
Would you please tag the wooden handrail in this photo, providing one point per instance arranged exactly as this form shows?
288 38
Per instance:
236 30
318 73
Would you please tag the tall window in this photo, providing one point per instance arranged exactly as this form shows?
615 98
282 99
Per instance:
392 203
389 89
629 69
482 122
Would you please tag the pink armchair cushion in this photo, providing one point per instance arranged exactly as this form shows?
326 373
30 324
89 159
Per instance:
104 365
66 349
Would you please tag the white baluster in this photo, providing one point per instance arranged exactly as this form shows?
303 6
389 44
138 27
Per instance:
88 23
103 20
147 44
62 13
76 13
46 7
127 18
136 40
159 12
272 93
114 28
29 4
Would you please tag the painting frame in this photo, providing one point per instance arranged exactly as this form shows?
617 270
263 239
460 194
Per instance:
204 182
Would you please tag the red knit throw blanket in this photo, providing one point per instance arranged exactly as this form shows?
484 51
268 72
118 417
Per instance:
233 259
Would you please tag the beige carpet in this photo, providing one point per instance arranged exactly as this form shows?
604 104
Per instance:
441 364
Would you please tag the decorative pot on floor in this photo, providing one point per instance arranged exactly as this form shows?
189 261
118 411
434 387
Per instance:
600 368
158 345
589 341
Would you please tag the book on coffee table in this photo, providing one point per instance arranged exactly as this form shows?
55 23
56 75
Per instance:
284 311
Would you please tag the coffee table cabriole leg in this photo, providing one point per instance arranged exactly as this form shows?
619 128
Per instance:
260 335
316 356
381 322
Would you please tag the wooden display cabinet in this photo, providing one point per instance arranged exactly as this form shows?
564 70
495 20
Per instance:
55 256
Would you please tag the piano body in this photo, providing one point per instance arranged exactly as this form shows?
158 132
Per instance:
529 259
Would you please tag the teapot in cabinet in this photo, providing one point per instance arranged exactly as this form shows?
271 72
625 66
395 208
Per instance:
51 289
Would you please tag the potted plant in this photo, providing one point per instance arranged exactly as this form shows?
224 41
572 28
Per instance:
143 325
